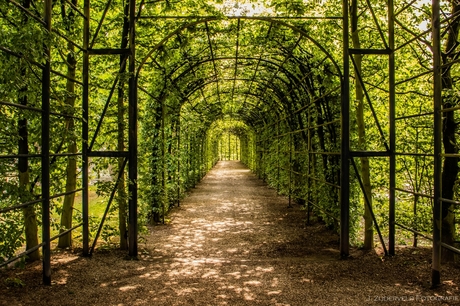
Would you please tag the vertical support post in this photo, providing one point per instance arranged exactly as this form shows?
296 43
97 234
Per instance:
201 163
178 162
345 142
278 157
85 135
263 157
237 147
188 160
254 152
290 168
203 156
200 157
392 110
163 162
309 172
437 104
132 203
229 147
193 158
46 80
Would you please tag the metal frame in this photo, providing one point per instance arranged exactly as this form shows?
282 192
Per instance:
87 145
260 142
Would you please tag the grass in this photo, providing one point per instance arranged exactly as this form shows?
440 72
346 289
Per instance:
97 207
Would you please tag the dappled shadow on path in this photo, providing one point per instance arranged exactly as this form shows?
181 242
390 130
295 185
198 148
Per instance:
233 241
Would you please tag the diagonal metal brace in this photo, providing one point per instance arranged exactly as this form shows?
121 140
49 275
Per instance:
374 114
369 206
112 195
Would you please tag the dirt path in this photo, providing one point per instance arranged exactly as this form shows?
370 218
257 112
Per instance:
233 241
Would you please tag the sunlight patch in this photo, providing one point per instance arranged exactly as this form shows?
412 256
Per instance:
248 296
126 288
212 274
67 259
269 269
253 283
274 292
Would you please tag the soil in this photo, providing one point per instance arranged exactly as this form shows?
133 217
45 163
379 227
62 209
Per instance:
233 241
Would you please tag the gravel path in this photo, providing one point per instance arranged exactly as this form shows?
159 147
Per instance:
233 241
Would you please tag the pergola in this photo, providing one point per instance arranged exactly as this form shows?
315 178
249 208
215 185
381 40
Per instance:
268 78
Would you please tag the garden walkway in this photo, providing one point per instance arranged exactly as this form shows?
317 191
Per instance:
233 241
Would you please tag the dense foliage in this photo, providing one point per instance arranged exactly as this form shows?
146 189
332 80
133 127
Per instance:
220 83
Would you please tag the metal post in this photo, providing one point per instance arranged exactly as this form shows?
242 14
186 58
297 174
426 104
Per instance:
237 147
178 162
310 165
46 79
437 101
193 158
345 143
203 155
254 152
132 135
189 161
392 110
85 135
290 168
163 161
200 158
264 154
278 157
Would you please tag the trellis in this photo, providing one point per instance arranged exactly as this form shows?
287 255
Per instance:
274 130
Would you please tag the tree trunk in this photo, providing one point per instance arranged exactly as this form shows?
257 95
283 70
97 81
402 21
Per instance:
30 217
65 241
29 214
71 170
450 166
365 172
121 188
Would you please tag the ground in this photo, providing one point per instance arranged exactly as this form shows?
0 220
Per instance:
233 241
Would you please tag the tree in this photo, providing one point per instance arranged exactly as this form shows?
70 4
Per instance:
450 167
359 97
71 169
121 188
30 216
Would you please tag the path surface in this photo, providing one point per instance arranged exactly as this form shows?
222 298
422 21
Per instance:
233 241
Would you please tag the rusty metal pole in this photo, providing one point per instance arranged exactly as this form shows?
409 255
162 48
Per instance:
345 142
437 104
133 113
45 161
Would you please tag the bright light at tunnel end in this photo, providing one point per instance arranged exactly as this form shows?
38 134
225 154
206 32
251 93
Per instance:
243 8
